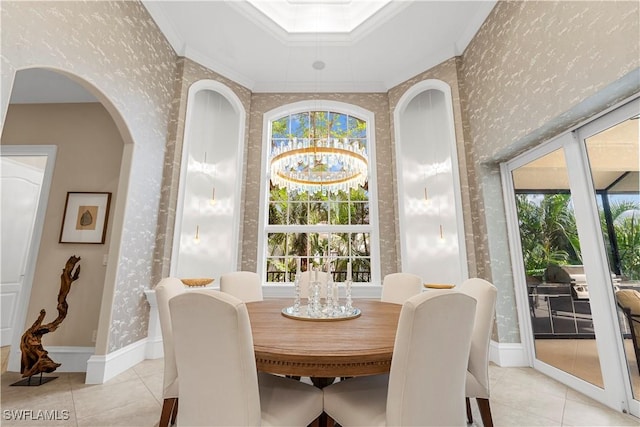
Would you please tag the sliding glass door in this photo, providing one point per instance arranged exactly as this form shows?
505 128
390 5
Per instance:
574 209
611 145
559 303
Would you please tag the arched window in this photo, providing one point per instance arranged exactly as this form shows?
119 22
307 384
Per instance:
319 204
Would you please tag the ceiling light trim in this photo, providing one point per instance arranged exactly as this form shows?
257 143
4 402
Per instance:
319 16
384 14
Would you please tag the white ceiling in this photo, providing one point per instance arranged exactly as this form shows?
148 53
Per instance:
400 39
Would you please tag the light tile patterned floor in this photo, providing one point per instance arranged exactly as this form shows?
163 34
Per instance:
520 397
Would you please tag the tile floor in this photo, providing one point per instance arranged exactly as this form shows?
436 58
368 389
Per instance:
520 397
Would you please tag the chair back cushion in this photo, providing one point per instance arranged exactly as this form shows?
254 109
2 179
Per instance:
485 294
165 290
244 285
398 287
215 360
430 355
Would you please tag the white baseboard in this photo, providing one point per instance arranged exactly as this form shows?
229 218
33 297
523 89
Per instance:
104 367
154 348
508 355
72 359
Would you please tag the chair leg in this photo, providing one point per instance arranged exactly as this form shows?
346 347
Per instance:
174 413
469 415
168 407
485 412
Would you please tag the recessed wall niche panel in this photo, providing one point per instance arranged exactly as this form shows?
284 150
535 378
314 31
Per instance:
430 213
207 216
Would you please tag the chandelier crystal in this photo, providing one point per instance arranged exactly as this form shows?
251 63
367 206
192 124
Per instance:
312 165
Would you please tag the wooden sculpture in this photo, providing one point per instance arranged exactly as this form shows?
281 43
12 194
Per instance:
35 359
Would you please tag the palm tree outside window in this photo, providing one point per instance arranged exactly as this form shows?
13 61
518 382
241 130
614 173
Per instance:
549 234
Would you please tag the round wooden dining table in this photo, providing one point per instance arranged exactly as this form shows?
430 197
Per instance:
327 348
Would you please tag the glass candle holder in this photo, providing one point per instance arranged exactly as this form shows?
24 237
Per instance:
296 287
349 302
347 285
329 309
314 308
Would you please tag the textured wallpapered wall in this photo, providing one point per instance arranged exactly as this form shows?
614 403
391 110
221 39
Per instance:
116 48
525 77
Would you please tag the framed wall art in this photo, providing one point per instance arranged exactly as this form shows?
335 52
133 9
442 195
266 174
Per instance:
85 217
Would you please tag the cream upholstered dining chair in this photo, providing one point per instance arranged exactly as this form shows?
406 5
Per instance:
477 385
397 287
219 383
245 285
165 290
425 386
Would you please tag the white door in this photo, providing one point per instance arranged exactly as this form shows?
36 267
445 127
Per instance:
22 179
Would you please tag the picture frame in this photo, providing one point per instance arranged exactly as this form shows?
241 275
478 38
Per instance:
85 217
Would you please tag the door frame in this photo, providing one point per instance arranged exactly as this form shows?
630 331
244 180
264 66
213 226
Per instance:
618 394
22 306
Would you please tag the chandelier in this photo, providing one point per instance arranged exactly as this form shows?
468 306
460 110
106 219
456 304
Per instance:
327 164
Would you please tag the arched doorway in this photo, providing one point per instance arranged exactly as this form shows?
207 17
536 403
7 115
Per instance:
56 108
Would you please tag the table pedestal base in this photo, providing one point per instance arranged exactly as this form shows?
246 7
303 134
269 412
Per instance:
322 382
